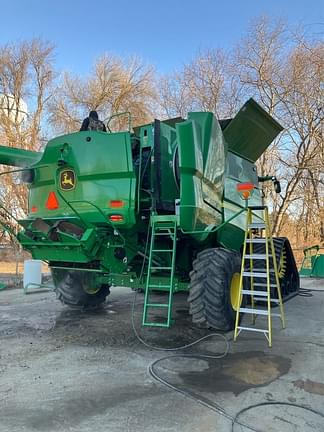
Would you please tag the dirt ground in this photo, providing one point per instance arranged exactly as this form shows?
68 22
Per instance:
64 370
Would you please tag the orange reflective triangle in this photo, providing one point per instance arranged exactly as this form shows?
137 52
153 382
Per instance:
52 202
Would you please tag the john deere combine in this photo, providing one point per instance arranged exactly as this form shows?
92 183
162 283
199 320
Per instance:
156 209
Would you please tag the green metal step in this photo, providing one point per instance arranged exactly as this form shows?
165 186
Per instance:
159 305
155 324
161 268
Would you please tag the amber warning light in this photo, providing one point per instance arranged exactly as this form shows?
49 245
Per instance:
116 204
245 189
52 202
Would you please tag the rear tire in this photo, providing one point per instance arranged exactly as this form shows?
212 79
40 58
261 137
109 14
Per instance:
71 289
214 271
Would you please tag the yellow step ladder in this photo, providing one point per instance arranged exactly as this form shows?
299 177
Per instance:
265 280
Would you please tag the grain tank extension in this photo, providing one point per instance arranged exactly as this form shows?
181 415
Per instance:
96 198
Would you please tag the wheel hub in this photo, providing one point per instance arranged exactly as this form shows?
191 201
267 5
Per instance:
234 290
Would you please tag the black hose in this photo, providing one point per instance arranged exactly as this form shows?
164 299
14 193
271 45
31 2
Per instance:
280 403
306 292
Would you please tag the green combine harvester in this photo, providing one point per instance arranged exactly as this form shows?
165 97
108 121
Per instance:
155 209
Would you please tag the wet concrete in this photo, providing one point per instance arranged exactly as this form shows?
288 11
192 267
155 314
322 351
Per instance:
237 373
69 370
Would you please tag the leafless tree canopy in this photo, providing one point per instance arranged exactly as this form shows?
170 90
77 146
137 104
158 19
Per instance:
113 86
278 66
26 76
282 70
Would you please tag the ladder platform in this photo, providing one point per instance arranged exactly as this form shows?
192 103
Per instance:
259 274
253 329
258 225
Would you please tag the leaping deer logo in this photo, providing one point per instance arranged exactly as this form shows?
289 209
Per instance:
67 180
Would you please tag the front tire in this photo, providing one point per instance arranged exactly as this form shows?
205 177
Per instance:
78 289
214 283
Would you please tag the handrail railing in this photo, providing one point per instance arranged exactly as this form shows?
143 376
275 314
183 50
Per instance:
119 115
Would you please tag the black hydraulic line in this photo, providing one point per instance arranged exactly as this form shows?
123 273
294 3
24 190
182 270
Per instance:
278 403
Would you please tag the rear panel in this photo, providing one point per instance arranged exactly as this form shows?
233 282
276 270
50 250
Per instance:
85 168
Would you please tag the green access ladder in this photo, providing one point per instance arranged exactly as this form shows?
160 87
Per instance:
163 228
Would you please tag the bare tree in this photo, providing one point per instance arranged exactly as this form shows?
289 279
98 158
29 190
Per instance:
26 76
114 86
204 84
283 70
303 108
285 73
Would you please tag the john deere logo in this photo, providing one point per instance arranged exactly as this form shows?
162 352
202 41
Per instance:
67 180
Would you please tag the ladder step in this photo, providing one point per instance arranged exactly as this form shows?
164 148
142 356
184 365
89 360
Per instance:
257 207
252 329
254 311
260 293
166 234
263 295
162 250
256 240
158 286
258 256
264 299
256 225
261 274
161 268
258 312
259 284
159 305
155 324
